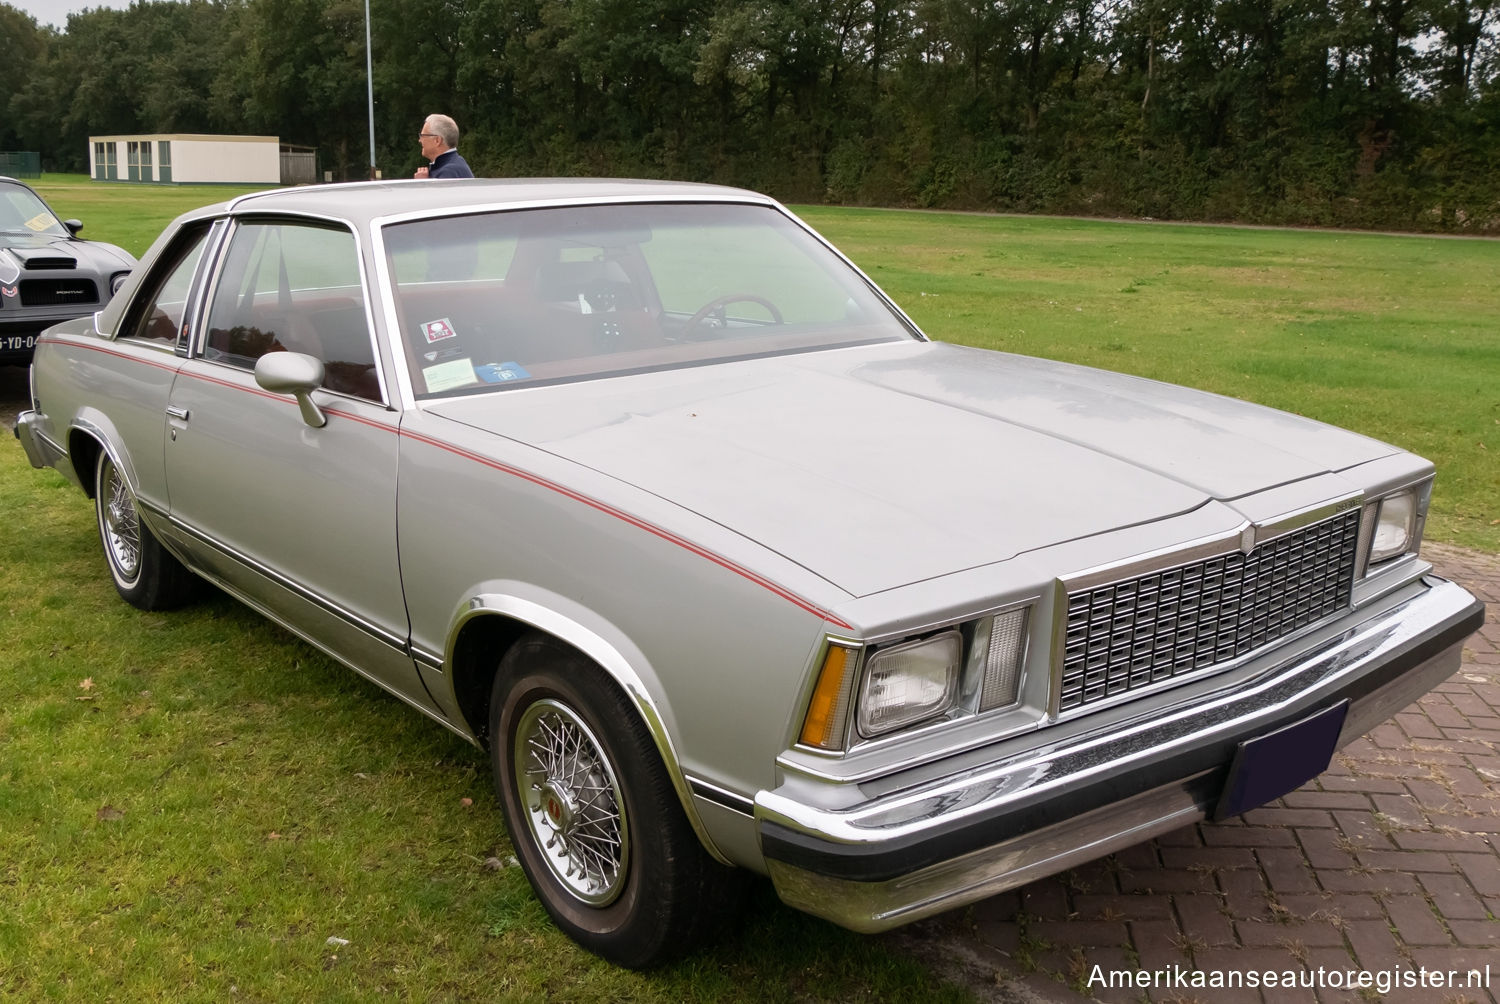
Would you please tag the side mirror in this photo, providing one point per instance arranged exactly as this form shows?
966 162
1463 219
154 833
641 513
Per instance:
297 374
73 226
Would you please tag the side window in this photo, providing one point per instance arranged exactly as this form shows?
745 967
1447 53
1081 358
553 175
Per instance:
158 313
291 286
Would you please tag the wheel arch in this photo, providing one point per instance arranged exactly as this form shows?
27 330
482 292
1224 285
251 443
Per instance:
87 438
492 622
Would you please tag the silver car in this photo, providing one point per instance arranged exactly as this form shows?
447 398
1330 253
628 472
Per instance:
646 490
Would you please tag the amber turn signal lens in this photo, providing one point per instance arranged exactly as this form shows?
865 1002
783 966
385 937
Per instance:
829 708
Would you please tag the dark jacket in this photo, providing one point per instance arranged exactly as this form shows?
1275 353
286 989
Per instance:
449 165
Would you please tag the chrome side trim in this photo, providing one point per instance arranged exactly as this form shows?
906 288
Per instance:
613 662
722 796
380 634
429 660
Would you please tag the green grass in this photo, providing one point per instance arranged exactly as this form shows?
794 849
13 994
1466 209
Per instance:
1396 337
130 215
221 800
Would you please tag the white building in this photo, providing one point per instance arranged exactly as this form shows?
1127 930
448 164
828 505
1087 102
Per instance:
240 160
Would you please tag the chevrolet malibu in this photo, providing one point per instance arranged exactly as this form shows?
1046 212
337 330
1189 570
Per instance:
649 492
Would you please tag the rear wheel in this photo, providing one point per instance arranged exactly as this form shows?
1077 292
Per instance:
594 818
145 575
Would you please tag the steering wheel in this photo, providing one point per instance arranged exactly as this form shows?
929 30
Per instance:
717 305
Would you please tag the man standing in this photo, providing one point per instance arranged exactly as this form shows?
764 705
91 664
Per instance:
439 137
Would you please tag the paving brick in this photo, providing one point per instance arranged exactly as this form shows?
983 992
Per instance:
1426 840
1417 725
1326 906
1482 871
1208 857
1325 849
1430 795
1355 880
1246 895
1003 935
1289 817
1361 830
1471 824
1406 861
1118 906
1415 922
1476 932
1166 880
1402 812
1286 869
1203 919
1334 782
1303 799
1453 897
1307 933
1138 856
1373 943
1046 900
1158 943
1186 837
1387 736
1081 933
1247 836
1471 705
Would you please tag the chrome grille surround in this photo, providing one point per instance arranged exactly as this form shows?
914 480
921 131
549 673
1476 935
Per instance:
1149 630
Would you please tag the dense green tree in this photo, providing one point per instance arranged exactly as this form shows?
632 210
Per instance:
1357 112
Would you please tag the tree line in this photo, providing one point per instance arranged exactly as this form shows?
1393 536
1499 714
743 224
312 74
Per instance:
1366 113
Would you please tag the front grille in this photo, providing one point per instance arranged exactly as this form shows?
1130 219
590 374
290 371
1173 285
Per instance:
52 292
1129 635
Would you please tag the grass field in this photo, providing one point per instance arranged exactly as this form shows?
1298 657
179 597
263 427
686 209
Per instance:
192 804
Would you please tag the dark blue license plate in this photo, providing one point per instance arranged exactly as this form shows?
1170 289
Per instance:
1269 766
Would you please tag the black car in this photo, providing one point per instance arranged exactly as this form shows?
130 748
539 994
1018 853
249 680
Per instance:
47 274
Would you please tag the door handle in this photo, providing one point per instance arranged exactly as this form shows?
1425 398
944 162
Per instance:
179 413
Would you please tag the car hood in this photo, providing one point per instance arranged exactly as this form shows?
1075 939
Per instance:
884 465
50 248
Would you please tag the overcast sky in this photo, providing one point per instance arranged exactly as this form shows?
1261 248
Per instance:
55 12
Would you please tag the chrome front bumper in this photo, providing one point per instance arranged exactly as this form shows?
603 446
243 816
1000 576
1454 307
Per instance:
938 845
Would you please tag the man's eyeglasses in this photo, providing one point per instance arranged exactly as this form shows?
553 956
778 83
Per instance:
427 135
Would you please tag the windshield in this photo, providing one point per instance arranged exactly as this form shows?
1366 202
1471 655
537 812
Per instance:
21 211
496 300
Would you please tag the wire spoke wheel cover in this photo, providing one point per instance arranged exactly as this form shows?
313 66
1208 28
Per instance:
573 805
120 523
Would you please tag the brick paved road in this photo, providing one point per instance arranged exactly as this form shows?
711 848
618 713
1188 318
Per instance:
1391 858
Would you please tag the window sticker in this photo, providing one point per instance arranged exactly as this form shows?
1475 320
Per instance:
39 222
501 372
446 376
437 331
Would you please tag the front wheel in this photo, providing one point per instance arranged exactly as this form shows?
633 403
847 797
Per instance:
592 814
144 573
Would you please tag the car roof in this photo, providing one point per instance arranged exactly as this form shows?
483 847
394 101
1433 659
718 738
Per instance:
363 202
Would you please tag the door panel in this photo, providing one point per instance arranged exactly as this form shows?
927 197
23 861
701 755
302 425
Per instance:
300 521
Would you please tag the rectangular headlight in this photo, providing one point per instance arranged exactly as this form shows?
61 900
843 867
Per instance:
1395 522
908 683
